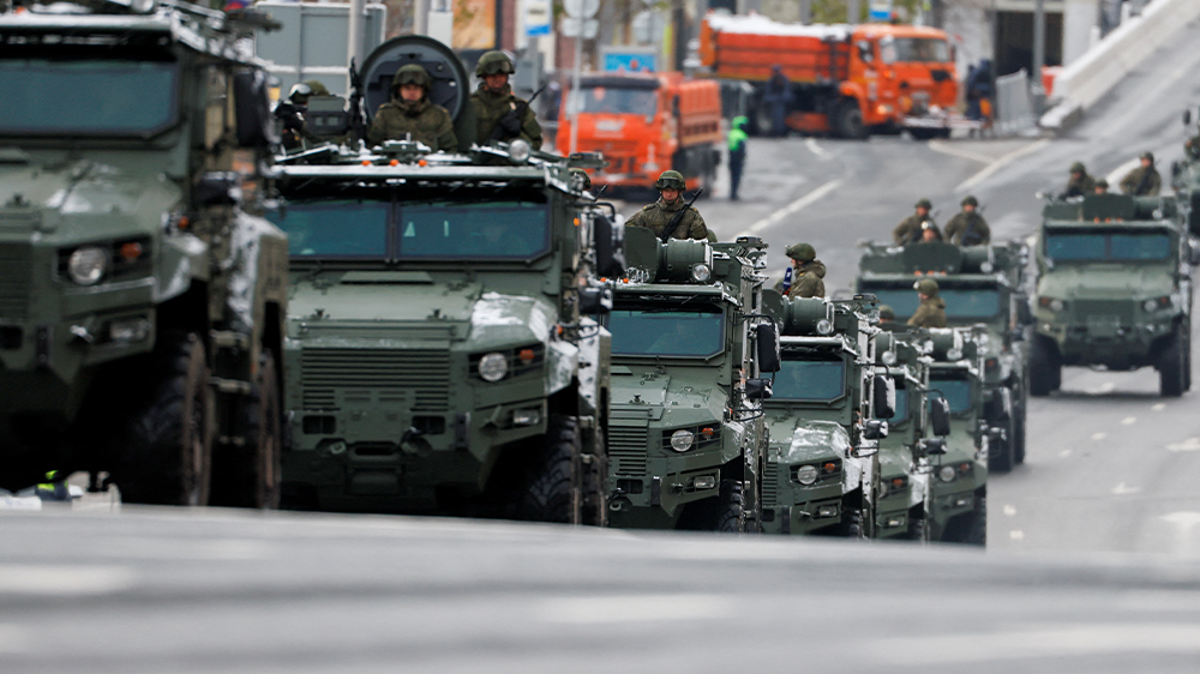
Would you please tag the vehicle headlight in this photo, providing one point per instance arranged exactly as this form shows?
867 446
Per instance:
889 358
701 273
1057 305
493 367
954 354
947 473
824 326
681 440
87 265
806 475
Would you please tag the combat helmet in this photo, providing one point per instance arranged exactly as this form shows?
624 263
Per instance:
801 252
581 178
301 91
493 63
670 179
1077 167
412 74
927 287
1102 183
970 200
1147 155
886 312
924 203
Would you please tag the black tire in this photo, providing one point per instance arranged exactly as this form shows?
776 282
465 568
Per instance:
166 457
1045 372
970 528
848 121
852 522
1002 458
250 476
918 525
1186 335
728 514
595 485
1019 440
554 486
1171 367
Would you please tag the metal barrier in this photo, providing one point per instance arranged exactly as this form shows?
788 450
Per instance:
1014 106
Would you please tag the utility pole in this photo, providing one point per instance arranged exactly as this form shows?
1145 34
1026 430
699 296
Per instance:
1039 54
354 39
678 29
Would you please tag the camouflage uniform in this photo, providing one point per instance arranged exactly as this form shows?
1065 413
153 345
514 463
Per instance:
427 122
911 230
498 109
968 229
1191 147
1132 180
1080 182
807 272
655 217
932 311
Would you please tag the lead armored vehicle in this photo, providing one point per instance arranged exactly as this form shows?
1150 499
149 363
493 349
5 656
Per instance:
687 437
141 301
822 473
1114 290
980 285
439 353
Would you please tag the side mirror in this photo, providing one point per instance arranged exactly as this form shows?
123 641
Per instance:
939 416
1187 117
758 388
595 300
252 111
934 446
883 397
610 247
875 429
767 340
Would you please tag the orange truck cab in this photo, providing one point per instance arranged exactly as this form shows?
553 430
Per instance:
646 123
846 80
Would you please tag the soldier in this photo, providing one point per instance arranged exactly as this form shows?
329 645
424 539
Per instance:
886 314
968 228
807 271
931 313
915 227
1191 147
410 112
658 215
581 179
500 116
292 111
1101 187
1080 183
1144 180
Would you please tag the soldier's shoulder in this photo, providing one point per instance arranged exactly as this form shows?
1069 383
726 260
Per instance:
648 207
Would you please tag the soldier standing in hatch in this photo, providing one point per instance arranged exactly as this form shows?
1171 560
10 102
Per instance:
658 215
886 314
1080 182
499 115
1101 187
968 228
807 271
411 112
913 228
931 313
1144 180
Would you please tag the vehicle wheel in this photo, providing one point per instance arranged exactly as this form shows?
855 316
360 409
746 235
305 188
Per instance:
166 457
852 521
554 490
920 133
1019 440
250 476
728 513
1045 372
1187 358
1171 366
849 121
970 528
918 525
595 485
1001 459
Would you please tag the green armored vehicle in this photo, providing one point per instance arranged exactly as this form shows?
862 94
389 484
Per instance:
141 304
822 472
1114 289
980 285
689 340
439 354
958 490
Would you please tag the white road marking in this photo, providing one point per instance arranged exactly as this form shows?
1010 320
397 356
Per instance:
1158 407
1010 510
794 207
1106 387
946 148
1065 453
13 639
65 581
1186 519
812 146
1099 436
25 503
1000 163
1122 490
1128 421
634 608
1039 641
1189 445
1016 535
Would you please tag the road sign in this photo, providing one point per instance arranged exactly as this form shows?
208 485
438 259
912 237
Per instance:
537 18
584 9
573 27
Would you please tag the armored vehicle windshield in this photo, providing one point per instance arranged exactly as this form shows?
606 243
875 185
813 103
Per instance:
684 332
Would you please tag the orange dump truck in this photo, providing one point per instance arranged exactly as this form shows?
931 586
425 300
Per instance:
846 80
645 124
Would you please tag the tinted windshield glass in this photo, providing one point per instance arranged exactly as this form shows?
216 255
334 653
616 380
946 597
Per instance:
694 332
620 101
74 98
957 392
962 304
335 228
901 414
1108 246
809 380
493 230
913 49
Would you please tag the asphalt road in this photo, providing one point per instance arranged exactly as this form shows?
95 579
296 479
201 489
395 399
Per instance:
1091 565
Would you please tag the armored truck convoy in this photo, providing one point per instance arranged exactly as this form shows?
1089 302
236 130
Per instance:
141 301
980 285
1114 289
686 433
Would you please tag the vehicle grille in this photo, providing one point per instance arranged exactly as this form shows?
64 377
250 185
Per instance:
423 375
627 449
16 271
1121 310
770 484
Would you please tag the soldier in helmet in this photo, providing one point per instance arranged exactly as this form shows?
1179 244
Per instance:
1144 180
580 178
1101 187
807 271
968 228
410 113
918 227
293 110
499 115
931 313
1191 147
658 215
886 314
1080 182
